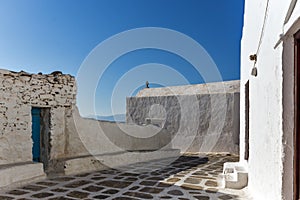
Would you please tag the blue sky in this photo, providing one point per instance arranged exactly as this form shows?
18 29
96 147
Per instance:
45 36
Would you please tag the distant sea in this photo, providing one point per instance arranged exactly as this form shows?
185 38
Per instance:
111 118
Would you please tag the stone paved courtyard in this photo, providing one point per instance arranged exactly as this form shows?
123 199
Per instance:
192 176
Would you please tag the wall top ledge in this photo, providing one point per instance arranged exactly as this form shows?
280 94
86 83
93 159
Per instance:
207 88
5 72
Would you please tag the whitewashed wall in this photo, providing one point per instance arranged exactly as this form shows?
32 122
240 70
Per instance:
200 118
93 137
271 98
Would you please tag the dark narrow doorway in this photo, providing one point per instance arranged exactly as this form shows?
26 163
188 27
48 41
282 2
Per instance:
297 118
246 155
41 135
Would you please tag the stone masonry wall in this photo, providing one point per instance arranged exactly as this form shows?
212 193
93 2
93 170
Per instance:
21 91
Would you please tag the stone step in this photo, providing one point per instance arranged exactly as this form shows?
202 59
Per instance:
21 173
235 176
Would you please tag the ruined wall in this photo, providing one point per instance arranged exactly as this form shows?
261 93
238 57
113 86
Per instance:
207 121
19 92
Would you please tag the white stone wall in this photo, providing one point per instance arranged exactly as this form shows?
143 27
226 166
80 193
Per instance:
207 121
271 97
19 92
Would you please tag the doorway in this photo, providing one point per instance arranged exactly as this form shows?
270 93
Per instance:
247 110
41 135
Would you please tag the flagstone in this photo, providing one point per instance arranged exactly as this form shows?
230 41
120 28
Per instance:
152 180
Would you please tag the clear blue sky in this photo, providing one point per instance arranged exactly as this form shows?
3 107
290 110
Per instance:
45 36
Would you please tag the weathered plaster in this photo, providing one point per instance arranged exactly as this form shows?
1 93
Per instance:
19 92
207 121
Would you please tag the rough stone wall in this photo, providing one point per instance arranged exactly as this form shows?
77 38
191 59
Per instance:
19 92
201 122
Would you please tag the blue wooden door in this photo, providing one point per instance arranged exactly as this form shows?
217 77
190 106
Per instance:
36 133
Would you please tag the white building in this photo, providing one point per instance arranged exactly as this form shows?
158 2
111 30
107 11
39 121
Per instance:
270 103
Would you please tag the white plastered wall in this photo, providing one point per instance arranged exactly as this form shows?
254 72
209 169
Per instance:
271 97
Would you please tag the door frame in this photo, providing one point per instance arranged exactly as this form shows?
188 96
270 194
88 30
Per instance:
296 116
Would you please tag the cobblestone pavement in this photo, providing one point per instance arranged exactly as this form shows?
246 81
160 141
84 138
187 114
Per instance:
189 177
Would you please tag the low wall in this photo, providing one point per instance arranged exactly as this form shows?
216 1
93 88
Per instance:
95 145
88 136
197 123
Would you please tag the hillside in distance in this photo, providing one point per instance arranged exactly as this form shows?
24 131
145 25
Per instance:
110 118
